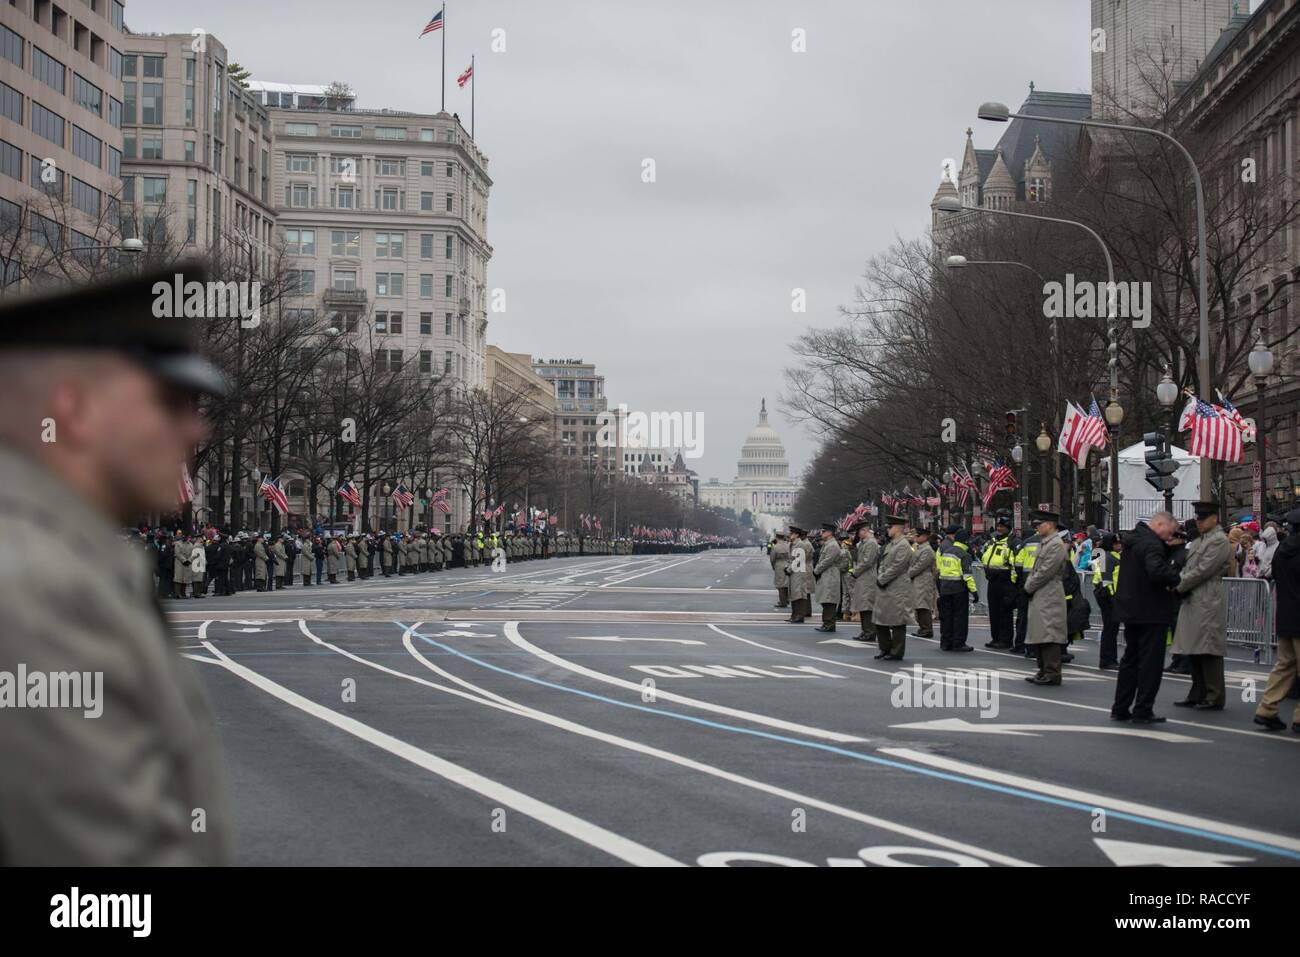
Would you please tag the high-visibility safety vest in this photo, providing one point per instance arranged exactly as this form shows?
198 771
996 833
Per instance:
1026 557
949 564
998 555
1111 580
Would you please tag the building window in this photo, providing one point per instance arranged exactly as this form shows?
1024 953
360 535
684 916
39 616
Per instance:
426 245
11 45
447 285
345 280
390 245
426 168
151 102
87 95
345 242
155 189
446 324
300 242
115 112
1037 190
300 163
300 129
300 195
389 283
449 199
390 167
86 146
85 197
47 124
189 151
346 198
426 202
450 245
345 132
114 163
151 147
426 323
426 285
46 232
49 70
11 103
390 132
300 282
386 199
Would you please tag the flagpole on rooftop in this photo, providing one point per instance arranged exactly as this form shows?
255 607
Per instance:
443 71
473 84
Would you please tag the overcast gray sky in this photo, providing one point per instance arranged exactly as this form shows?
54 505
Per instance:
775 169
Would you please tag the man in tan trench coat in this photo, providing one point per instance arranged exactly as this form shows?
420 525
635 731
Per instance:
862 579
779 558
891 611
826 592
801 576
925 586
121 767
1047 625
1202 631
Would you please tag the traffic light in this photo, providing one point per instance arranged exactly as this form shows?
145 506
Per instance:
1013 430
1161 465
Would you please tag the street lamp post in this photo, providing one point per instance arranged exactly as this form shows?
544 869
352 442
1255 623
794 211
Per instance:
1261 365
1167 395
950 204
1114 414
1044 445
998 113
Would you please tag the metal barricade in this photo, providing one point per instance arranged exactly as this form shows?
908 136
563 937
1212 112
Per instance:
982 586
1250 615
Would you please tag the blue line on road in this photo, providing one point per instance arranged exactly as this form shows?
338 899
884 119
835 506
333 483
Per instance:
869 758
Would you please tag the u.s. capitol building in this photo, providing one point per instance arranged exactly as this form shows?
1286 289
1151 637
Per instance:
763 485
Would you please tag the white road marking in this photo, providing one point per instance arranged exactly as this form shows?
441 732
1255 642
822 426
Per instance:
1293 739
1130 854
1033 730
671 641
657 568
489 698
512 633
585 831
1106 802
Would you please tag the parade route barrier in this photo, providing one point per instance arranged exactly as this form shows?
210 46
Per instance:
1250 615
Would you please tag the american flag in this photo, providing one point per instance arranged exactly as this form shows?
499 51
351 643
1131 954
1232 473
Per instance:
439 501
467 76
965 483
273 493
348 492
1214 434
1000 477
1247 428
185 485
1081 432
433 24
402 496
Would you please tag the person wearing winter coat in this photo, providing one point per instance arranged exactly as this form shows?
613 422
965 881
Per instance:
1048 625
305 561
826 574
198 568
891 612
1286 670
1200 634
862 579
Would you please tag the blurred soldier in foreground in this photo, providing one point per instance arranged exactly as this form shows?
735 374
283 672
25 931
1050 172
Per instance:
1286 573
99 420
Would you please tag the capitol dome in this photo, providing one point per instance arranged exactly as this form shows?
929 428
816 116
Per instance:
762 457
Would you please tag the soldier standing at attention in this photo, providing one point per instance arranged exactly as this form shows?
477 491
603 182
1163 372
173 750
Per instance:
1047 625
778 556
924 584
890 613
862 579
801 576
1202 628
119 787
260 559
826 574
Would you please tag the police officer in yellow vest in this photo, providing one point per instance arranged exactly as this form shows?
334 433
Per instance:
998 559
956 583
1026 555
1105 579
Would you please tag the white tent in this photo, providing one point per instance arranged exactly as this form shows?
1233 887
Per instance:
1138 500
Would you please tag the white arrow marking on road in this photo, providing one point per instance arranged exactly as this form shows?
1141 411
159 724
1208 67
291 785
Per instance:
248 631
1130 854
671 641
460 634
1031 730
848 641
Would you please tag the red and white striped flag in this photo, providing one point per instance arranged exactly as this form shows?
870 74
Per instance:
185 485
467 76
273 493
439 501
1214 434
402 497
1081 432
348 492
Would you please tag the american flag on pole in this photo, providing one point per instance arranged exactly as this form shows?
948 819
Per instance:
1081 432
185 485
348 492
1000 477
403 496
965 483
433 24
439 501
1214 434
273 493
467 76
1247 428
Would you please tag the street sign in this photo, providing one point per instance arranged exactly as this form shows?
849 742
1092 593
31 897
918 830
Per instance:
1018 516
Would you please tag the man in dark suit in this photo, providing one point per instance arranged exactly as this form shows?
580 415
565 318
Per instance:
1146 605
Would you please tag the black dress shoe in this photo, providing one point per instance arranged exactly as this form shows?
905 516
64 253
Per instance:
1032 678
1066 659
824 629
1270 724
1120 716
883 655
1108 666
864 637
1149 719
962 648
994 644
1207 706
1043 680
1187 704
893 657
